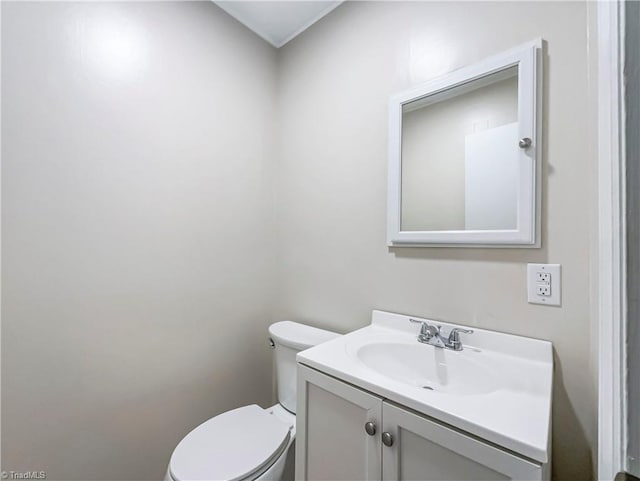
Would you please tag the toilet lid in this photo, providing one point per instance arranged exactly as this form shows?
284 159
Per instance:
231 446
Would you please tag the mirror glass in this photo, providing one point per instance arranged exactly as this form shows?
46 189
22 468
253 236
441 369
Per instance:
460 157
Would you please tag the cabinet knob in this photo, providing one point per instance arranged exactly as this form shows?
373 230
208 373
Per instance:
525 143
387 439
370 428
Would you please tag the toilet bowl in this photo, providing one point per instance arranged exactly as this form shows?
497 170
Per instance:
249 442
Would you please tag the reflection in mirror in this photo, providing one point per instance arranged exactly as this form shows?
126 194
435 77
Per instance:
460 154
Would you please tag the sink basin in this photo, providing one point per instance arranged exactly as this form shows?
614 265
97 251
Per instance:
430 368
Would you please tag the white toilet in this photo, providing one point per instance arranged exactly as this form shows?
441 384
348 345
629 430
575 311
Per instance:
250 443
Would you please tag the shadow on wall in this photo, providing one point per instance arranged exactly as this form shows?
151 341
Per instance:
464 254
567 428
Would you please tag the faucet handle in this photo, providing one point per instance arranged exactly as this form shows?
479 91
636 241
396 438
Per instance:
456 330
454 338
423 326
427 331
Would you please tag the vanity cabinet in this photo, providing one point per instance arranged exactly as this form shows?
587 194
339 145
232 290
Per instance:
334 441
331 441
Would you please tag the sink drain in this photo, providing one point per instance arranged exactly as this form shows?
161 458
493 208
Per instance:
429 388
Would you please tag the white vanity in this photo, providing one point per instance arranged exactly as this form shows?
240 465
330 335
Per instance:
377 404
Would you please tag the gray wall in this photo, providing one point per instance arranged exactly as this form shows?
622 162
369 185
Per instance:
335 82
137 215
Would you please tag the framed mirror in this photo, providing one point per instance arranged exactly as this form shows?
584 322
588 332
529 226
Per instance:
464 156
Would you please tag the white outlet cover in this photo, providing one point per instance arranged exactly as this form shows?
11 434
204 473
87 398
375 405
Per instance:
555 284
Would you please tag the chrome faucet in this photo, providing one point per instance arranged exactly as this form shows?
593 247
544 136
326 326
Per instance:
432 335
429 334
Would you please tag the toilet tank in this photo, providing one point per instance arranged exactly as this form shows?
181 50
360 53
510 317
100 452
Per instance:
289 338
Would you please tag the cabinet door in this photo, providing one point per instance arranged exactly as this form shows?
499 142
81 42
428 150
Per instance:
424 450
331 442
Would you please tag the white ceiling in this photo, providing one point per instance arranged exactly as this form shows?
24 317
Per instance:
277 22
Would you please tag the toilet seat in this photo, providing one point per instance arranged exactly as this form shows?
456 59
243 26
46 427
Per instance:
236 445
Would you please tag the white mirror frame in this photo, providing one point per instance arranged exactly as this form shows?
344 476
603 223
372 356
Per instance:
528 59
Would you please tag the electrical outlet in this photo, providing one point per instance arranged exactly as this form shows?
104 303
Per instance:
544 290
544 284
543 276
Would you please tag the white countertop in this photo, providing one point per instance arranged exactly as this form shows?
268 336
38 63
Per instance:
508 405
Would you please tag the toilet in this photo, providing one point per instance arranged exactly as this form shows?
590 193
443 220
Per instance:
250 443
